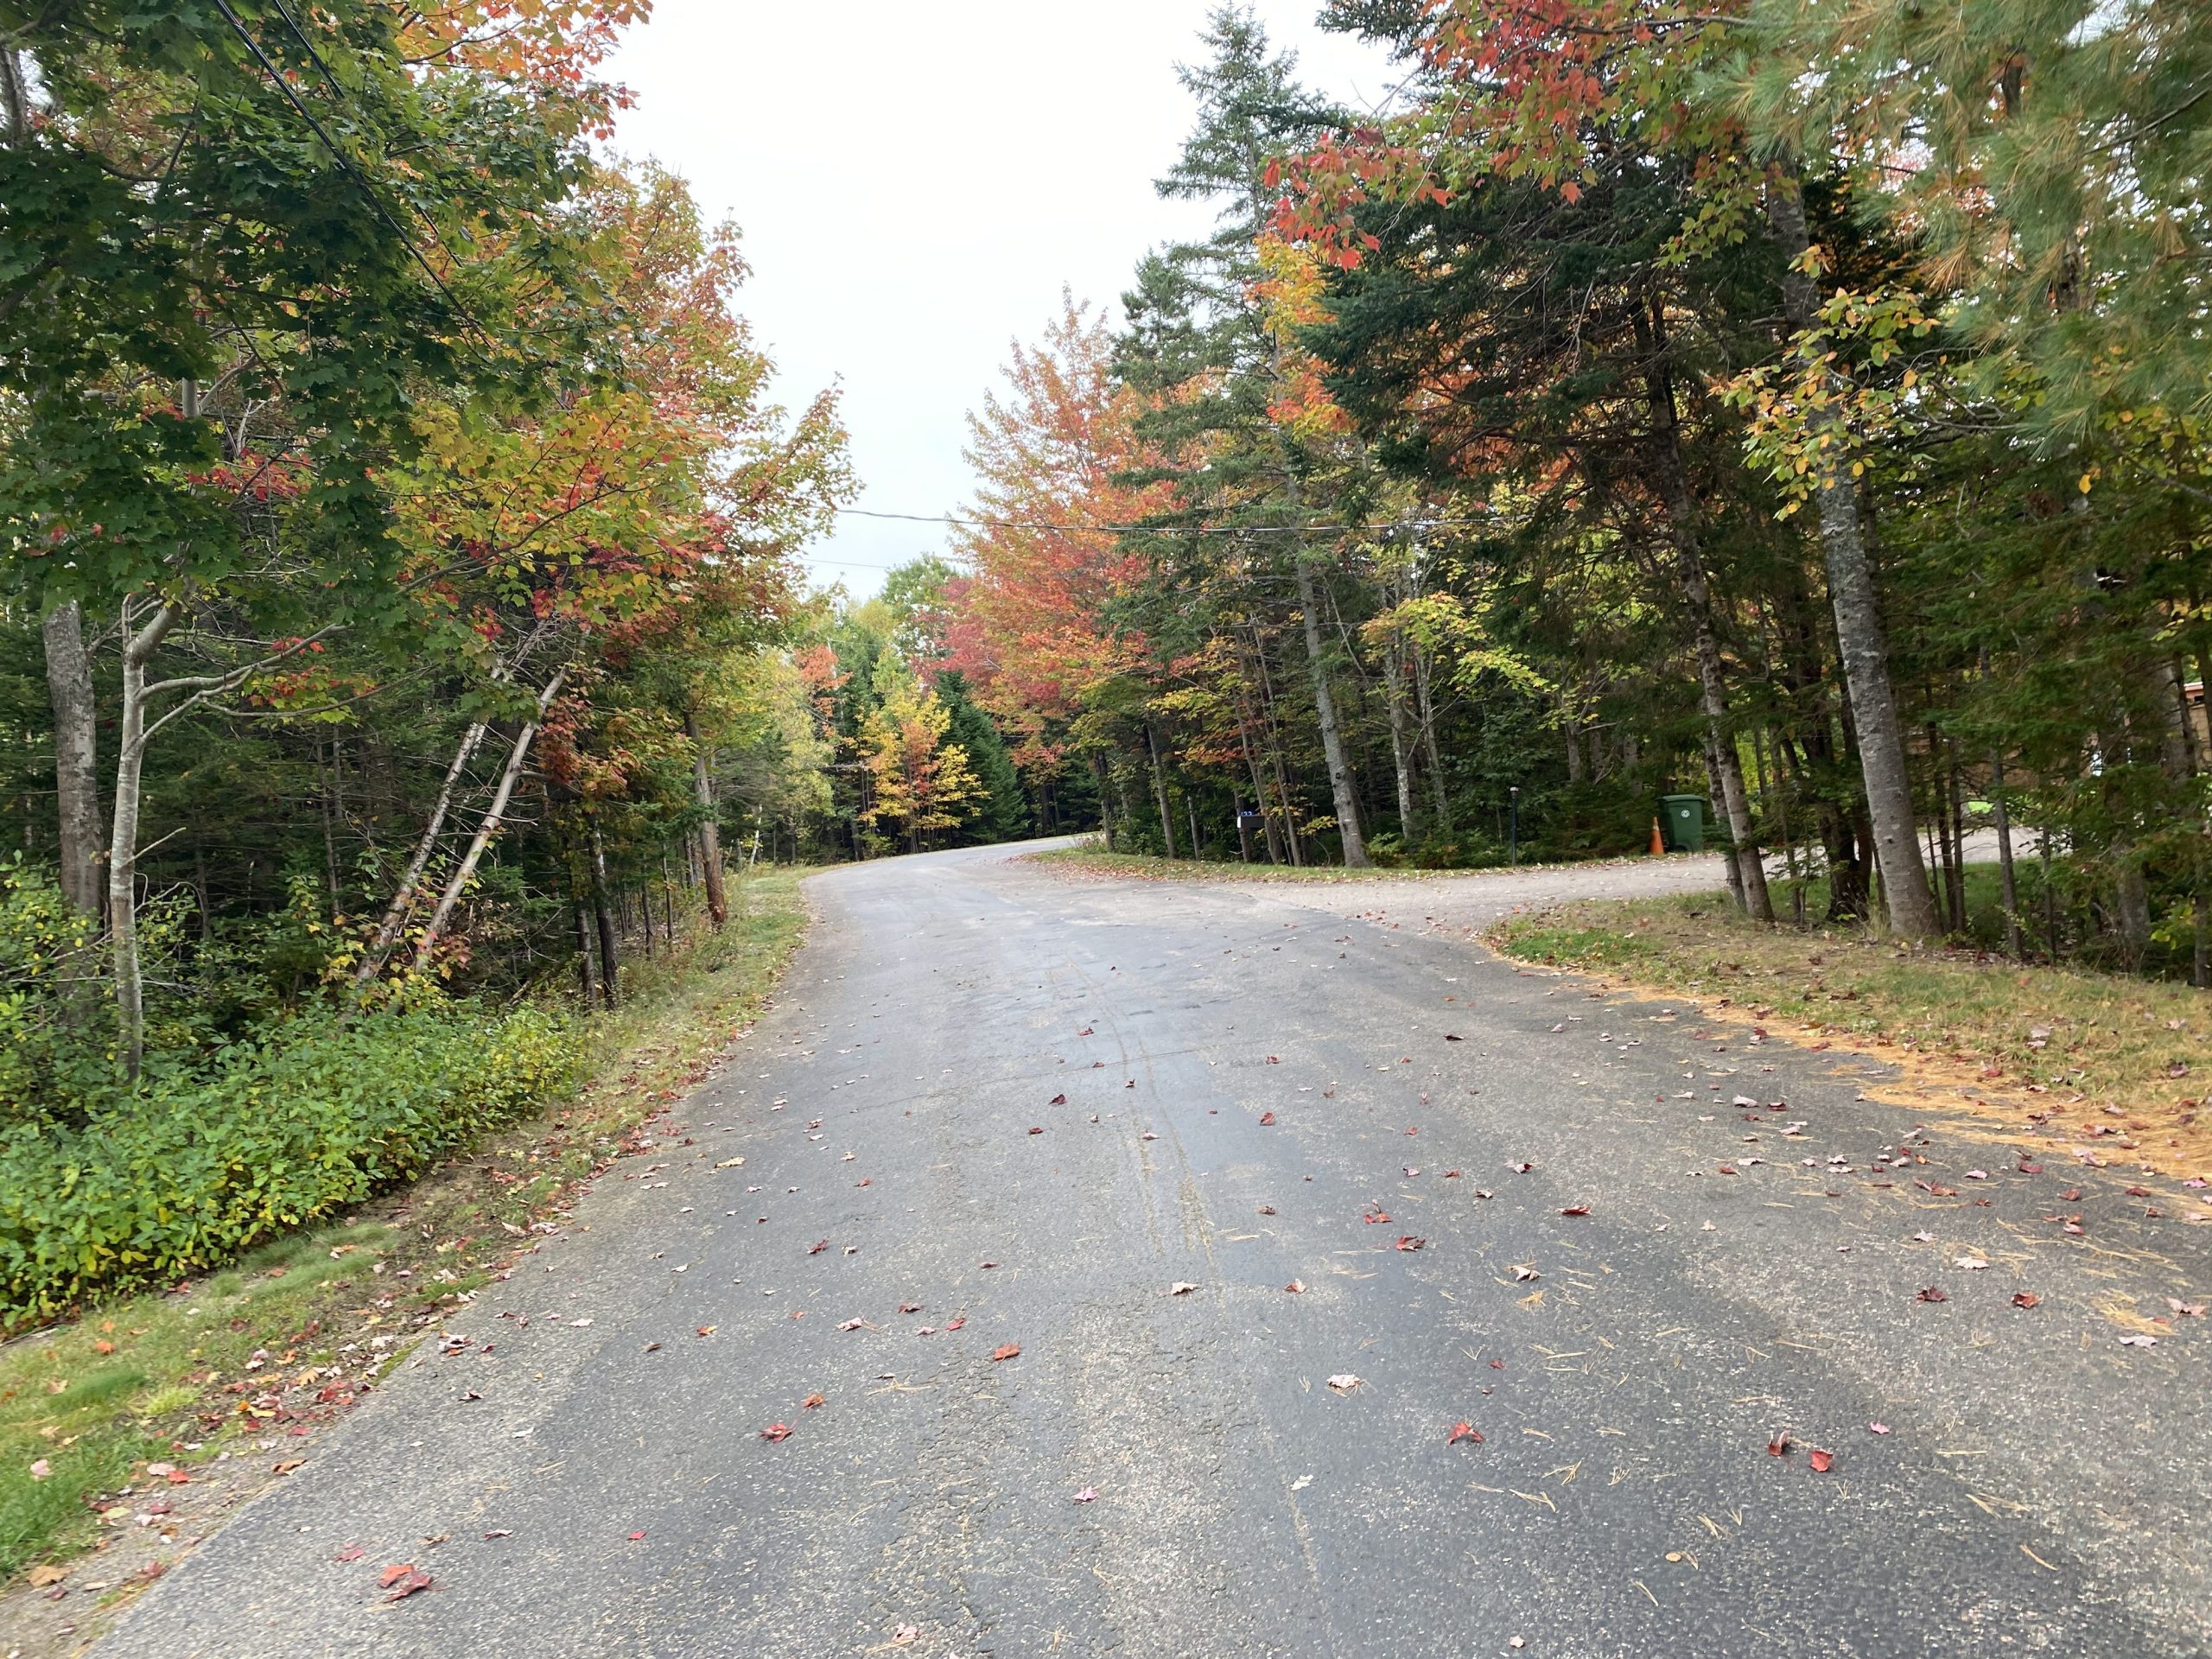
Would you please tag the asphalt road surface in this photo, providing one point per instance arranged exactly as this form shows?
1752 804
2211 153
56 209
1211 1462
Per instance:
1165 1467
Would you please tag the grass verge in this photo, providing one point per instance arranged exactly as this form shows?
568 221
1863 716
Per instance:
246 1359
2118 1064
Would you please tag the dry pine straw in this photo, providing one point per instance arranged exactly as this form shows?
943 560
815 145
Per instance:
2104 1065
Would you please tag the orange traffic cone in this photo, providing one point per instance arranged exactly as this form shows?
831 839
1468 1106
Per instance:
1658 840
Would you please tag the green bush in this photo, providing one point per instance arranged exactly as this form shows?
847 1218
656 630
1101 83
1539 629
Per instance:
312 1116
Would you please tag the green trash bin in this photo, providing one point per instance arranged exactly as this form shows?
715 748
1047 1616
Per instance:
1683 815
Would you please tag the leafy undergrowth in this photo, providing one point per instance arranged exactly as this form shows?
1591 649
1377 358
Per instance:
239 1364
2106 1061
1144 866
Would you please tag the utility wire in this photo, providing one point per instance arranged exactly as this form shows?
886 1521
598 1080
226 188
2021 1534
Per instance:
1156 530
277 78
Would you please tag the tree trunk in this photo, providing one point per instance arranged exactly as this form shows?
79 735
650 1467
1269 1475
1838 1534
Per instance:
1394 697
1748 879
1160 790
710 833
403 899
610 960
587 959
1427 709
76 756
1105 809
123 843
494 816
1325 706
1859 637
1190 816
2005 872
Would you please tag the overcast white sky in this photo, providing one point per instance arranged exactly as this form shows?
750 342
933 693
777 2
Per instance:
916 183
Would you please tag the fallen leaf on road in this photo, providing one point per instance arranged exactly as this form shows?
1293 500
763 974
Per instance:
1576 1210
1821 1461
811 1402
1036 1131
2185 1310
1267 1118
910 1307
1374 1216
1932 1294
1345 1382
1006 1351
1520 1169
499 1532
406 1584
286 1465
1971 1263
1266 1209
2024 1299
1274 1060
729 1163
1524 1274
817 1247
350 1553
988 1264
1057 1100
1878 1428
636 1537
2137 1339
905 1634
1460 1432
1088 1494
1296 1287
392 1575
1410 1242
776 1432
1181 1287
1778 1446
957 1324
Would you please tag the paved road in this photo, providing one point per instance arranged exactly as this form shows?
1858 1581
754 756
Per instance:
2041 1488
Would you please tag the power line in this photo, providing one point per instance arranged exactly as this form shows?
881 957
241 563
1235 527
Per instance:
346 166
1156 530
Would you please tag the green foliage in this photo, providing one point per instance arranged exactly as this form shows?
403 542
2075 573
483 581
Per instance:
308 1116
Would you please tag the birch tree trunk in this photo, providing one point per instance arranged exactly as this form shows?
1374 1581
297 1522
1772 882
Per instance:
1428 712
123 844
494 816
76 756
710 829
1325 708
1859 637
1394 695
402 899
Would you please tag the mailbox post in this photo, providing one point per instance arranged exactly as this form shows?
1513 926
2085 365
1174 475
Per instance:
1247 822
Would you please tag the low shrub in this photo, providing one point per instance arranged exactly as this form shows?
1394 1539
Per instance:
312 1115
